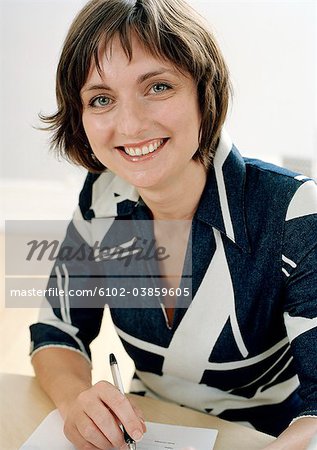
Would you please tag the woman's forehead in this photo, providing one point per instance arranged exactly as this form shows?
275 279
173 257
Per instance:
132 47
112 57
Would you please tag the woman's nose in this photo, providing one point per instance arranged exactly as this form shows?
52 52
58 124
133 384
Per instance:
130 120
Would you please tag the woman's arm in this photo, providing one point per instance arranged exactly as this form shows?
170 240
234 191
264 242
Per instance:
300 311
92 414
63 374
297 436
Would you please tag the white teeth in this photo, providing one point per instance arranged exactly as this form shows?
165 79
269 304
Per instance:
137 151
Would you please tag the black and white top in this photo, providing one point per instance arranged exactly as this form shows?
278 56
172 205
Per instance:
245 348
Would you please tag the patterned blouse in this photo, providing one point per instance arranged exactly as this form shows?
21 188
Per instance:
243 344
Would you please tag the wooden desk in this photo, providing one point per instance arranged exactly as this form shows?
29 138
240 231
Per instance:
24 405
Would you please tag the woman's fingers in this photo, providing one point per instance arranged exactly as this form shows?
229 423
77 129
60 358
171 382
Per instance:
74 435
95 417
90 424
122 408
139 413
105 422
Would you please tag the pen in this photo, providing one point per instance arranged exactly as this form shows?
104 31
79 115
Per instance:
118 383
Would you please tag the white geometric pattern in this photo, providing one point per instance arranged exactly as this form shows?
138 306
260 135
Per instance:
304 201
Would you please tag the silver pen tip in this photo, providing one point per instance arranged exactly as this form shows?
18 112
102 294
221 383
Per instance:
132 446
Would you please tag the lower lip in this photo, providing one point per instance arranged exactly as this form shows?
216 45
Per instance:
142 158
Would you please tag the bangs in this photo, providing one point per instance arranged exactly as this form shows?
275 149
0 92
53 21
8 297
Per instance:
157 49
152 38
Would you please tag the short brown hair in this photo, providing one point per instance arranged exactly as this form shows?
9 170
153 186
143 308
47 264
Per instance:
169 29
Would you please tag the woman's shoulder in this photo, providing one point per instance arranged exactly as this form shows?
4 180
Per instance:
280 186
272 173
279 199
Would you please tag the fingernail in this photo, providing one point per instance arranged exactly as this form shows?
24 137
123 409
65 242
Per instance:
143 426
137 435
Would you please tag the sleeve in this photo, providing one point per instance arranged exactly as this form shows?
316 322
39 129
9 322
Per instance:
299 267
71 313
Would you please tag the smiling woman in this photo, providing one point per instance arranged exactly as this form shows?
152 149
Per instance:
142 118
171 34
142 94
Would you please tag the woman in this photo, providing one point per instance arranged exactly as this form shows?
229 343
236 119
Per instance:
142 93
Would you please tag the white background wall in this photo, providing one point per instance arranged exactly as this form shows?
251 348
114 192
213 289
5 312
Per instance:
33 184
270 47
271 50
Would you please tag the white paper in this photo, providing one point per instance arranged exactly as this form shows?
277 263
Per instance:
160 436
49 436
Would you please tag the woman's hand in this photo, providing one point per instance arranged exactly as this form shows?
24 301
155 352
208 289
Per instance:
297 436
93 418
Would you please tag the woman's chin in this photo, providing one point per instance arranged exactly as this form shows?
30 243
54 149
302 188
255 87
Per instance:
145 180
144 184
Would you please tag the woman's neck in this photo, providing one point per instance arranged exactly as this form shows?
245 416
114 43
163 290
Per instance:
179 199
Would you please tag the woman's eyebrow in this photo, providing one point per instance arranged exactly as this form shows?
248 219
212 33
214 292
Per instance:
96 87
153 73
140 80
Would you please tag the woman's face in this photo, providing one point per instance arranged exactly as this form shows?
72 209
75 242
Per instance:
141 117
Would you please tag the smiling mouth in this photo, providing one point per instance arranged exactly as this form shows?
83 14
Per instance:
144 149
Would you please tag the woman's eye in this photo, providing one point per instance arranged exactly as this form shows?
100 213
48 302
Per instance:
160 87
100 101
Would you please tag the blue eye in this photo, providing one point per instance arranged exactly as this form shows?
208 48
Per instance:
100 102
160 87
